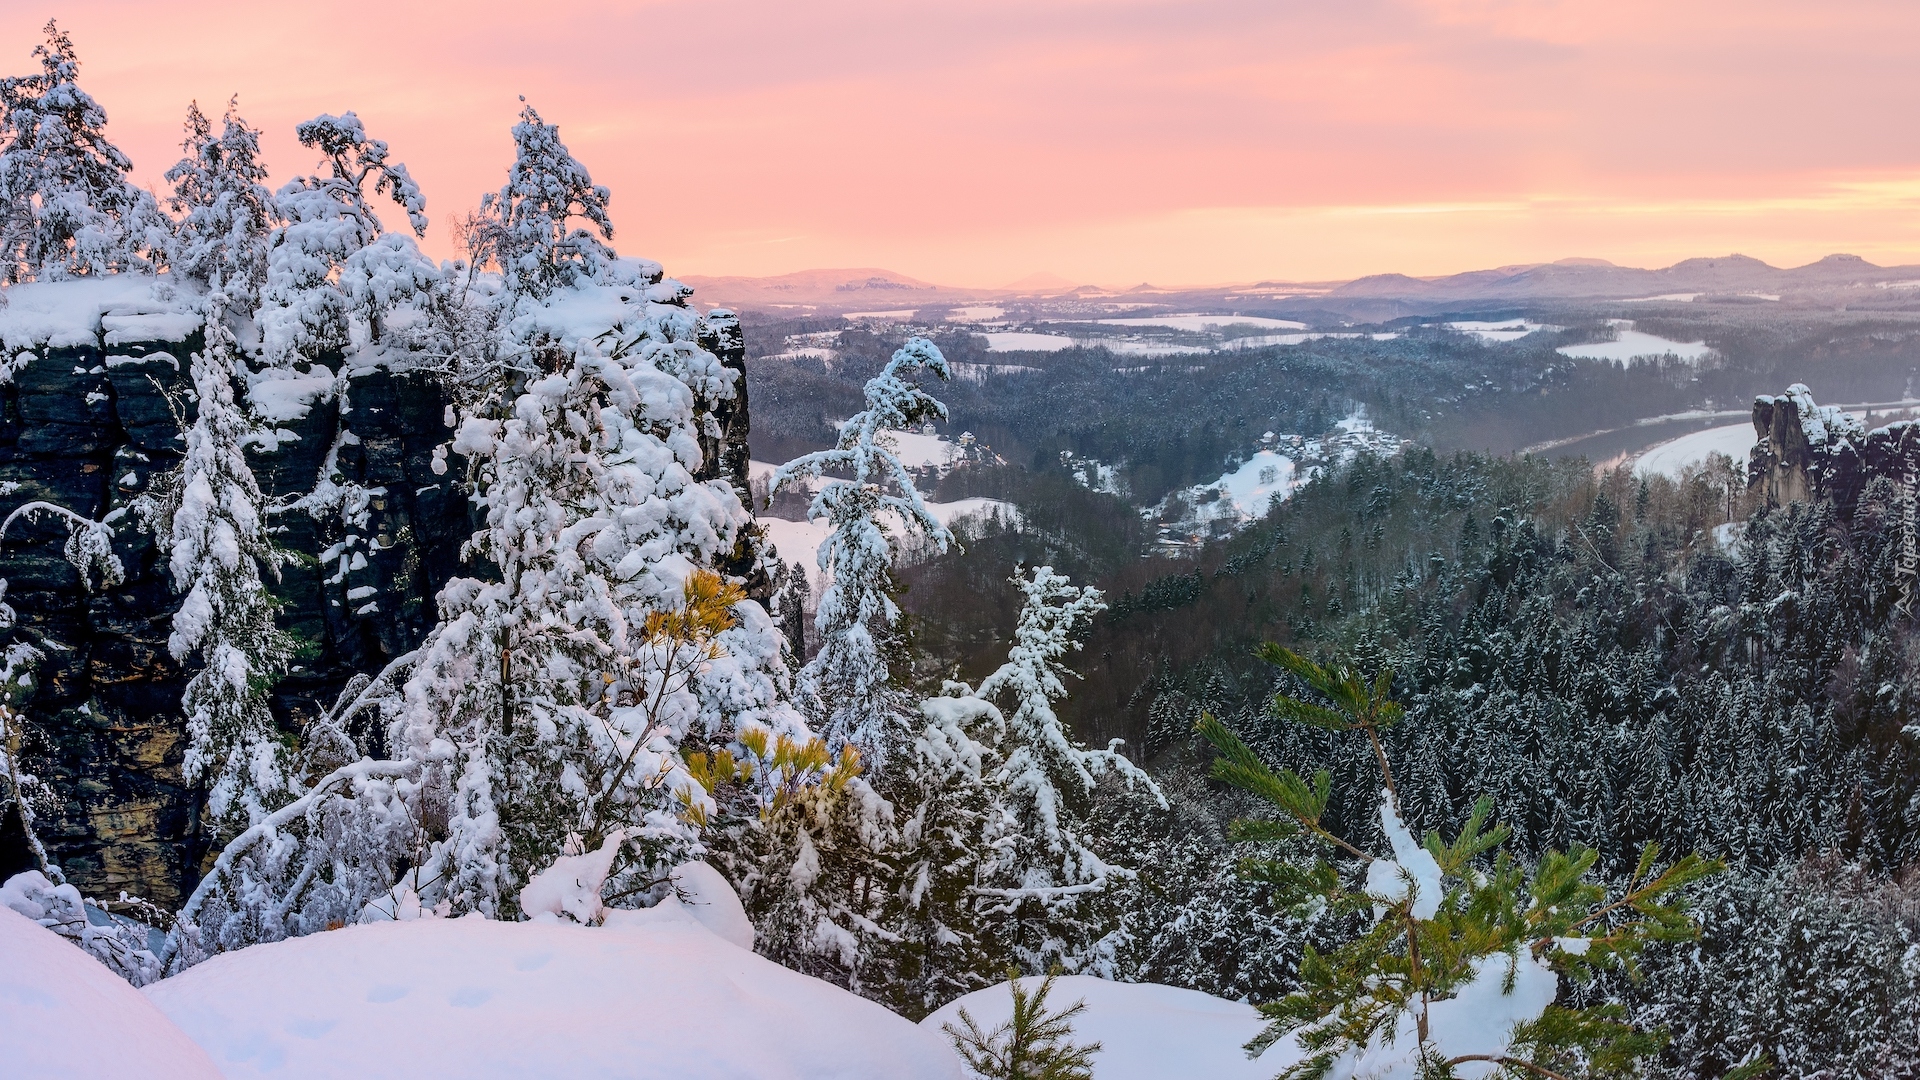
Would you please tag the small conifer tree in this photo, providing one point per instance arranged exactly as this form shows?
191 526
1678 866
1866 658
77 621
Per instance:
332 262
1035 1043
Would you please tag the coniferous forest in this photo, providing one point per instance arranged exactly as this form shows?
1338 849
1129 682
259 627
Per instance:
434 600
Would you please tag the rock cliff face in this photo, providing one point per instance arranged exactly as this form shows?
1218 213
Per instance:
1809 451
87 421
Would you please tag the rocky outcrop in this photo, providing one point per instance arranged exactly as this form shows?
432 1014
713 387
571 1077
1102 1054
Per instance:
89 428
1807 451
371 515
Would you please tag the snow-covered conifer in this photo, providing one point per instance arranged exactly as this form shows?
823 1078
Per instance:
215 534
66 207
565 690
847 684
332 265
526 228
226 211
1039 871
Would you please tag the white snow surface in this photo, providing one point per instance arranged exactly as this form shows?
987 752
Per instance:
917 451
281 395
64 1016
1478 1020
126 307
1633 345
1507 330
1026 341
1146 1031
652 995
706 896
1254 486
1411 865
569 890
1672 457
1207 322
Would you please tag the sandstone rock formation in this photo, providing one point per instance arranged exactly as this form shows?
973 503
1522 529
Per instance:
88 420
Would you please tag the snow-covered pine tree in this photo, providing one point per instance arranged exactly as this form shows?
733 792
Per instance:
1040 884
215 533
1034 1043
818 883
847 685
66 207
226 211
527 229
332 265
561 695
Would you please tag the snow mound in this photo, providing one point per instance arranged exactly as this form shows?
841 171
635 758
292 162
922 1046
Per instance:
712 902
1145 1031
652 995
64 1016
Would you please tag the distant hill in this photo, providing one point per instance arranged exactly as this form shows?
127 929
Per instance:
839 289
1738 278
1597 279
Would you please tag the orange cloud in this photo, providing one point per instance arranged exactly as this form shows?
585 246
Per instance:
1107 140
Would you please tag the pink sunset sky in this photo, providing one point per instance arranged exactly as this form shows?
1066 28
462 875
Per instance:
1107 141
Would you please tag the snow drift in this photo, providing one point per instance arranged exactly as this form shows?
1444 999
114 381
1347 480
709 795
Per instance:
653 994
1145 1031
64 1016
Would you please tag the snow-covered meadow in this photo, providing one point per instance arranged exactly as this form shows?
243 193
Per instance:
1630 345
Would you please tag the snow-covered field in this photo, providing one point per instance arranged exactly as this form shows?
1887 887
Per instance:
918 451
1672 457
1634 345
1026 341
1249 490
1145 1031
1150 348
1207 322
974 314
1506 330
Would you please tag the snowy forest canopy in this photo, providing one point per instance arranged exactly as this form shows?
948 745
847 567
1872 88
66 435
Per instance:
1538 777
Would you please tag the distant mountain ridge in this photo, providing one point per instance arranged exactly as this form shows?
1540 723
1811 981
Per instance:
1597 279
837 288
1378 295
